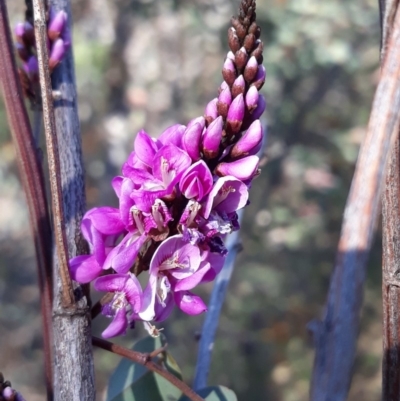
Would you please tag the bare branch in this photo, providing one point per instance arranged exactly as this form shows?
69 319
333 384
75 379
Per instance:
32 180
145 360
336 335
39 13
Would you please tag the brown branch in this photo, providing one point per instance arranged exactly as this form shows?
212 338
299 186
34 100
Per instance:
52 150
32 180
391 248
145 360
336 335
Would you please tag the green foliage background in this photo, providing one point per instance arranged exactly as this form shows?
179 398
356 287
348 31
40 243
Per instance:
149 64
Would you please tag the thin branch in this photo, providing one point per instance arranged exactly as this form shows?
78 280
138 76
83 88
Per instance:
391 249
52 150
336 336
211 320
32 180
145 360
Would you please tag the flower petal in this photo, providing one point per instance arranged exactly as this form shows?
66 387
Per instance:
111 283
84 268
118 326
190 303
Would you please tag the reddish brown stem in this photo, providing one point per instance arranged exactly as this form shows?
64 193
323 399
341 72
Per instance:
391 246
145 360
52 151
336 335
32 179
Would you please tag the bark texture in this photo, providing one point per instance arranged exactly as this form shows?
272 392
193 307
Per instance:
74 369
391 246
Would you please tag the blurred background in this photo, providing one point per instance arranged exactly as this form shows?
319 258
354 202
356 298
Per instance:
152 63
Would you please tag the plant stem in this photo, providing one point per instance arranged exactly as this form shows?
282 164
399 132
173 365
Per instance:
32 180
52 151
336 336
145 360
391 247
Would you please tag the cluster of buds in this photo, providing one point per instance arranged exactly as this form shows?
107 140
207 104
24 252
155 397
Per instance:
7 393
58 42
178 197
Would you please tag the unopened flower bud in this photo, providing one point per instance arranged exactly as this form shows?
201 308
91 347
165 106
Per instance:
241 58
259 79
212 138
19 31
197 120
261 105
242 169
31 67
211 112
173 135
8 393
252 97
251 69
224 101
238 86
236 114
257 52
230 55
229 71
57 24
250 141
255 29
240 29
249 42
233 40
223 86
25 33
57 53
191 140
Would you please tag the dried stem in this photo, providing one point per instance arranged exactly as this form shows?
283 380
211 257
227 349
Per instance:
52 150
391 247
32 179
336 335
145 360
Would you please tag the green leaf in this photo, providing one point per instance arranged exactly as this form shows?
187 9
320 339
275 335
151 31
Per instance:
134 382
214 393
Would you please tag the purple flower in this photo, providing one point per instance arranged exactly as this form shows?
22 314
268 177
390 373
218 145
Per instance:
126 302
228 195
174 263
169 163
101 227
197 181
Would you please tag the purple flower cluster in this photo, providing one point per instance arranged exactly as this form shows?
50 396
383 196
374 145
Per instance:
178 197
58 42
